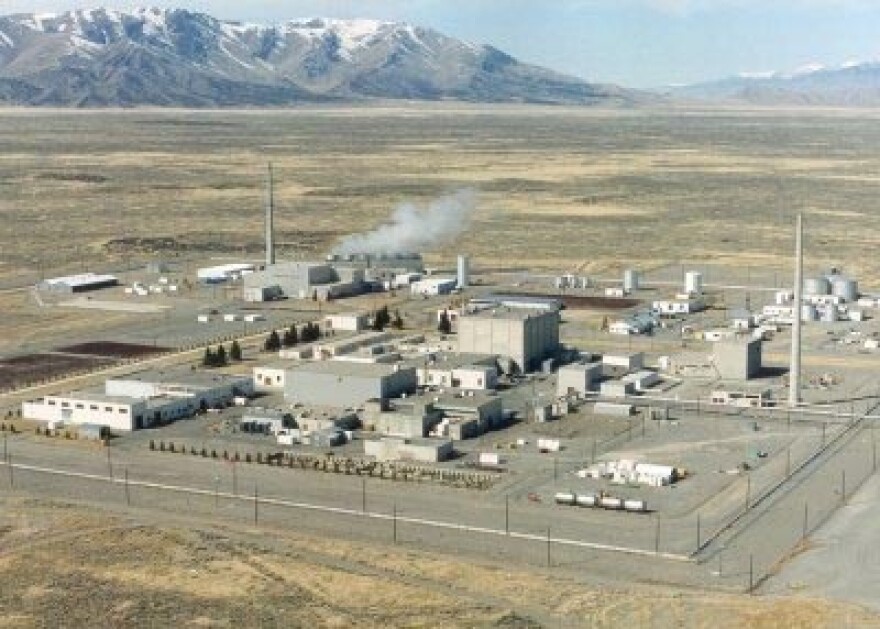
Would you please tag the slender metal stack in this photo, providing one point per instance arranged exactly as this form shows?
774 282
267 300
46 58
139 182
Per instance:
270 217
794 380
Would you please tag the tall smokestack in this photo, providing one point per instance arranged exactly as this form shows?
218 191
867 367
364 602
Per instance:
270 217
794 378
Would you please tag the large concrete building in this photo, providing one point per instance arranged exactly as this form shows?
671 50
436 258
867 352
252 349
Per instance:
303 280
347 384
737 359
521 338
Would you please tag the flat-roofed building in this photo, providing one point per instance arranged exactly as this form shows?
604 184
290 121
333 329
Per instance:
78 283
578 378
347 384
451 369
523 338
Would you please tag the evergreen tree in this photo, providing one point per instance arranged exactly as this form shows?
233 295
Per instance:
273 342
220 359
397 323
294 335
208 359
235 351
287 340
381 319
445 325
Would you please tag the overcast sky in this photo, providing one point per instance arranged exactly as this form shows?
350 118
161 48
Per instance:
639 43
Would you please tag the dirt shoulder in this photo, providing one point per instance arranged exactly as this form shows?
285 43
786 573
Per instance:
64 565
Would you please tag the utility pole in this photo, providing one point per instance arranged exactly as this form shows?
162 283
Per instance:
657 536
549 556
364 495
751 573
127 495
256 506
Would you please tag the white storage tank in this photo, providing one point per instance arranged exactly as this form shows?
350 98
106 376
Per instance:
610 502
587 501
636 506
630 280
817 286
693 282
846 289
829 314
565 498
464 271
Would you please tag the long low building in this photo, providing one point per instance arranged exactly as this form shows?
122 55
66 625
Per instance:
418 450
78 283
139 401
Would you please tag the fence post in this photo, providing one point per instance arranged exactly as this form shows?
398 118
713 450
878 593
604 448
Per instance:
549 558
806 519
751 573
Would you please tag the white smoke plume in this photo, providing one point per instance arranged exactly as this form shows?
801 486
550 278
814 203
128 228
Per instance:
413 228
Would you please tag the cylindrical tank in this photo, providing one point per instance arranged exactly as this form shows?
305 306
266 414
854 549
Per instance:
565 498
693 282
817 286
610 502
639 506
464 271
630 280
828 314
586 501
846 289
809 312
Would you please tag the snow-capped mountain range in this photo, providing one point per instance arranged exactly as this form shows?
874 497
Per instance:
174 57
853 83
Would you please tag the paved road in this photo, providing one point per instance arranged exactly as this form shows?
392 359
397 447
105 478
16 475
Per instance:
844 562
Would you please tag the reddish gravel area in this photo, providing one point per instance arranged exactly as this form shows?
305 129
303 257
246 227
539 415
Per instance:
34 368
109 349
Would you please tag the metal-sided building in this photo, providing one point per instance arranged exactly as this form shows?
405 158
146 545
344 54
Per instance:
347 384
523 338
78 283
432 286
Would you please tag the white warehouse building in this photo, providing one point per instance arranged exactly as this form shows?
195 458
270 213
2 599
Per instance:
138 402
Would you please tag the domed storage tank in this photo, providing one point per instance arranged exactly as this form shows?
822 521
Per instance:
829 314
817 286
846 289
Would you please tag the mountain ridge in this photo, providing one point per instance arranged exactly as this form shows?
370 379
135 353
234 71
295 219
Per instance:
852 84
175 57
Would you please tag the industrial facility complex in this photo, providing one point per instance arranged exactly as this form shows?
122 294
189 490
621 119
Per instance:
610 406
